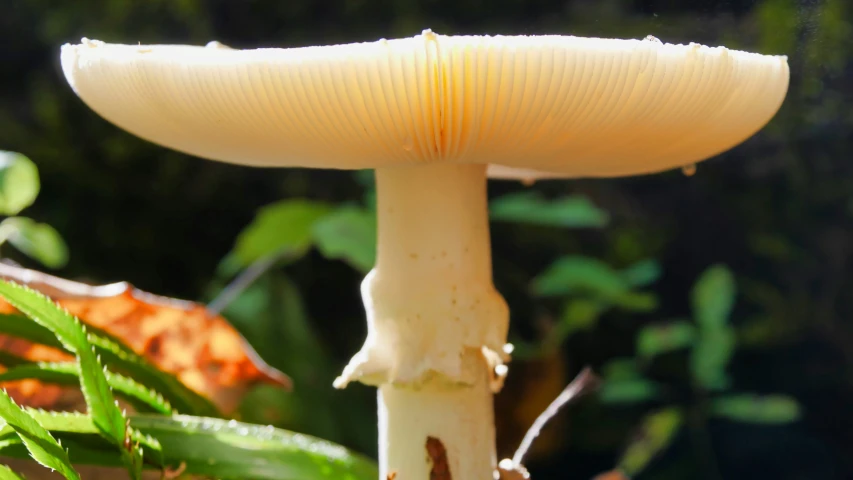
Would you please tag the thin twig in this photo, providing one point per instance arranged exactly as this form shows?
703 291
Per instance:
243 281
585 381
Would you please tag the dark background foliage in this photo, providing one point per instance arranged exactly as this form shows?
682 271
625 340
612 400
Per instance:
776 210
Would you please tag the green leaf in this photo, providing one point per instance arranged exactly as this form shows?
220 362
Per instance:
579 275
93 383
528 207
92 451
10 360
621 369
240 451
120 358
641 302
285 227
657 339
61 422
623 383
349 234
148 447
578 315
710 356
19 182
656 433
9 438
713 297
67 373
40 444
573 274
768 409
230 450
78 423
627 391
39 241
23 327
6 473
642 273
80 453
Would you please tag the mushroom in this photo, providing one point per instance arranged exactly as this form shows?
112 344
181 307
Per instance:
435 116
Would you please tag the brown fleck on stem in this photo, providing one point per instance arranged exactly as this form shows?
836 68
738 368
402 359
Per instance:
438 456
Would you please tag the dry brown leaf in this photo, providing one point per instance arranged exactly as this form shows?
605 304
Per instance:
183 338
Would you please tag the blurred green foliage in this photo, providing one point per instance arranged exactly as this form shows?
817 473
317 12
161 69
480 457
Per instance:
19 187
711 342
657 432
599 273
19 183
529 207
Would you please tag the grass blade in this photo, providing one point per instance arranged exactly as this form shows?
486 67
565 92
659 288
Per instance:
40 444
223 449
181 397
6 473
120 358
22 327
78 423
67 373
103 409
9 360
232 450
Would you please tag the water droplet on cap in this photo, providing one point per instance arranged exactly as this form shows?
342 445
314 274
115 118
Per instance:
215 44
652 38
689 170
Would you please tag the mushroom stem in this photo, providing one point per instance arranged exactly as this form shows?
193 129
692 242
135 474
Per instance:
435 322
438 431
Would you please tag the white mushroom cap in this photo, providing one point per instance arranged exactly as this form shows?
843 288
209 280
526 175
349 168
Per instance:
529 106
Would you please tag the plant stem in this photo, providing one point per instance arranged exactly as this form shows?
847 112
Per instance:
436 324
243 281
573 390
698 427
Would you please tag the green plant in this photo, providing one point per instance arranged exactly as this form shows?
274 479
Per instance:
19 187
106 435
709 341
588 288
